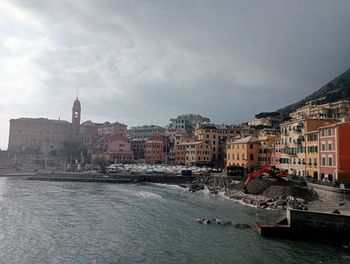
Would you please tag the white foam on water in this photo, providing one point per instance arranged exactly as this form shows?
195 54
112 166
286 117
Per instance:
147 195
170 186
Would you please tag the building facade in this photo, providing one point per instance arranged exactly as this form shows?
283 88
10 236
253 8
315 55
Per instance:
334 152
38 135
193 153
145 132
154 152
187 123
293 146
107 129
243 152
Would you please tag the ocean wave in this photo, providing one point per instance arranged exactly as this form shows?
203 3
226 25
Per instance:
148 195
168 186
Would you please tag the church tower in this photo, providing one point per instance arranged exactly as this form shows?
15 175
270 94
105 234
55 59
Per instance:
76 113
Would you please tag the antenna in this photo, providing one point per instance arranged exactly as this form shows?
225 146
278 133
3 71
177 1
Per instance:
78 92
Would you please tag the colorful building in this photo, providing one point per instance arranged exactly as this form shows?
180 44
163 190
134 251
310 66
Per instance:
154 152
243 152
335 110
118 149
334 152
311 154
190 153
293 150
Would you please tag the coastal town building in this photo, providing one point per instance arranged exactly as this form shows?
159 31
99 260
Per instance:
89 133
217 135
145 132
293 147
193 153
260 122
334 152
107 129
311 154
312 110
267 146
138 148
155 152
33 135
275 152
187 123
118 149
243 152
43 135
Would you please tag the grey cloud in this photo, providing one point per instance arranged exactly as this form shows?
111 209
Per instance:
146 61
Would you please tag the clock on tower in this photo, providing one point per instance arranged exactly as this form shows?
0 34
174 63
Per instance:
76 112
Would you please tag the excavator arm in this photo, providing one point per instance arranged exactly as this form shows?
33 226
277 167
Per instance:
270 170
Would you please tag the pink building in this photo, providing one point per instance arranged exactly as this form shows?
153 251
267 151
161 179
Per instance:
334 152
119 149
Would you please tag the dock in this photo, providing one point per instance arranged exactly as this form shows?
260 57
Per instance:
304 224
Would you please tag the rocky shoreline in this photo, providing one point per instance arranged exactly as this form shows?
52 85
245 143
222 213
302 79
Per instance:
233 190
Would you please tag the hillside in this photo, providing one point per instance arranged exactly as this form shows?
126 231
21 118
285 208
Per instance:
335 90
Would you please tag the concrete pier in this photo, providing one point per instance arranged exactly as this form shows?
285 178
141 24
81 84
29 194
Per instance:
301 224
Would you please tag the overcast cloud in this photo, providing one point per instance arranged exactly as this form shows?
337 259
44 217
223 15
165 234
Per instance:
142 62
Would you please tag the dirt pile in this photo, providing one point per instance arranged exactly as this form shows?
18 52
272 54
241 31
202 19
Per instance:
280 188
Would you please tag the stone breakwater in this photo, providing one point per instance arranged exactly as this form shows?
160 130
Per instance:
267 193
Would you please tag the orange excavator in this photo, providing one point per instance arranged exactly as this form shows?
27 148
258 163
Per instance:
270 170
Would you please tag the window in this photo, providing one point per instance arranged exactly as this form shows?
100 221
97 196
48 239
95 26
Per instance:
323 146
251 156
322 132
228 156
329 146
323 161
329 131
251 146
243 156
330 161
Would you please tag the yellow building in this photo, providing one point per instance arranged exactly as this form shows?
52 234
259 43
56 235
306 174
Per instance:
293 150
243 152
311 155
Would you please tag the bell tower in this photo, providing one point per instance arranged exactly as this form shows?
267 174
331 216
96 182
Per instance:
76 113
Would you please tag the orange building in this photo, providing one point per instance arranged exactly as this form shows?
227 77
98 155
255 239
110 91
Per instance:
154 151
243 152
193 153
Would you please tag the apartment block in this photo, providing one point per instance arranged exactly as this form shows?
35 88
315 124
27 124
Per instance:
193 153
243 152
334 152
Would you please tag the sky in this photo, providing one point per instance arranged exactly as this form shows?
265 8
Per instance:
144 62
